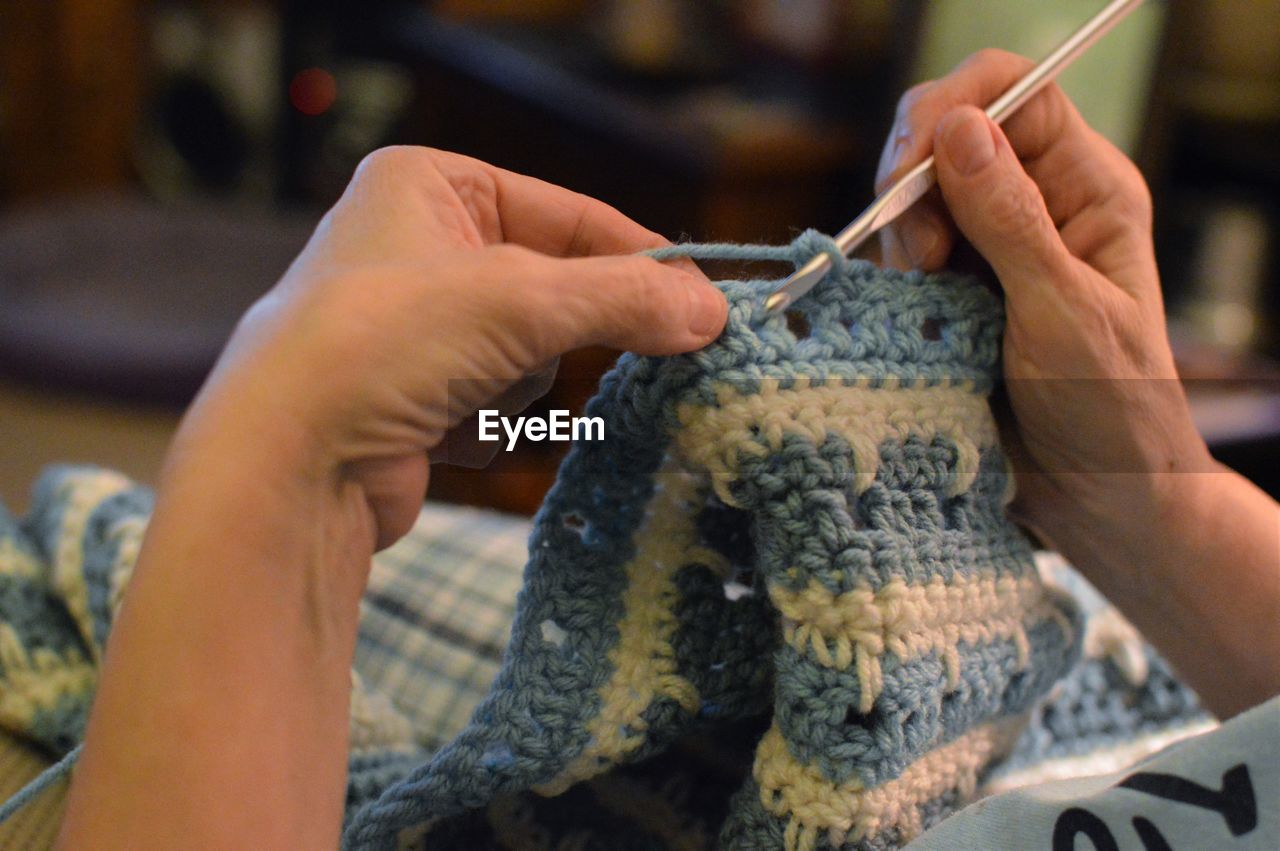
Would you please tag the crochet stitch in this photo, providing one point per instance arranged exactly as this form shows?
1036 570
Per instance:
811 525
780 601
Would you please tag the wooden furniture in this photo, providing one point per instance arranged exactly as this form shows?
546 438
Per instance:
70 95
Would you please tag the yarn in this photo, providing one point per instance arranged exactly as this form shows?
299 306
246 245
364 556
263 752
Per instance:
63 574
42 781
830 505
779 602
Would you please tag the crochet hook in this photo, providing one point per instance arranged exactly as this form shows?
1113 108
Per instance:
912 186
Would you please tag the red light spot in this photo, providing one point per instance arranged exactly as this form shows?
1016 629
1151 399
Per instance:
313 91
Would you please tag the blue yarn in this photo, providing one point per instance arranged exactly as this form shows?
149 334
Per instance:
786 518
868 330
42 781
799 252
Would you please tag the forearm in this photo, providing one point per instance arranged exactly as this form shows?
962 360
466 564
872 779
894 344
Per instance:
1198 572
221 716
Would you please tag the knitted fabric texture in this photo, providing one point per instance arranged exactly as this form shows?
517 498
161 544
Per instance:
806 527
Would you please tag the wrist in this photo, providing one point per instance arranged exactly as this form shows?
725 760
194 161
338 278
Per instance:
253 418
263 476
1119 527
1202 586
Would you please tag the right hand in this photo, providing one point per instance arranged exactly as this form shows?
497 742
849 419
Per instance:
1064 220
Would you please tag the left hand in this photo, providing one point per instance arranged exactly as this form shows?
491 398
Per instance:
436 283
433 285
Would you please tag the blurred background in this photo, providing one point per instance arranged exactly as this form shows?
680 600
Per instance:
161 162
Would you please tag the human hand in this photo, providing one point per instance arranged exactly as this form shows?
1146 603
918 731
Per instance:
1064 220
434 285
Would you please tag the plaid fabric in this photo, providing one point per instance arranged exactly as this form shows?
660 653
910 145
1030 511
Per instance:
437 615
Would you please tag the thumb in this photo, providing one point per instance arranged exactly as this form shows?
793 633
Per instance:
637 304
996 204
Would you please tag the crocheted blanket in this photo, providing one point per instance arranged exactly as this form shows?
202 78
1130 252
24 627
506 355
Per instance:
804 523
780 601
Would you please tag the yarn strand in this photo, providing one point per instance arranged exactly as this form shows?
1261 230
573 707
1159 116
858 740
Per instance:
39 783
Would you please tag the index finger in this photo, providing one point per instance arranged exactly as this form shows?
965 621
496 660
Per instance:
408 202
1073 166
512 207
1075 169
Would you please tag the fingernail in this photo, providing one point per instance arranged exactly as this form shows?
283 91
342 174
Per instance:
891 158
706 309
901 139
919 238
968 141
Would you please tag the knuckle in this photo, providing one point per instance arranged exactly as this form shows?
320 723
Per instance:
996 59
917 106
917 119
1130 195
912 99
510 254
642 279
471 180
1137 191
1123 213
396 159
1014 208
1112 216
644 291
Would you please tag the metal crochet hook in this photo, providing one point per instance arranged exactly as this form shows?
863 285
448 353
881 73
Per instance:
912 186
